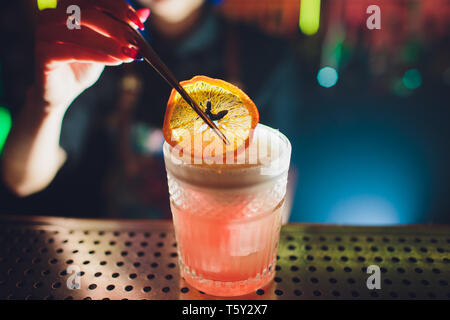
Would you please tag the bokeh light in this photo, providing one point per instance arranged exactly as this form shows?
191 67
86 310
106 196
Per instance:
5 126
47 4
309 20
364 210
412 79
327 77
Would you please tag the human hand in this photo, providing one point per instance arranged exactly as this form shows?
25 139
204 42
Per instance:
70 61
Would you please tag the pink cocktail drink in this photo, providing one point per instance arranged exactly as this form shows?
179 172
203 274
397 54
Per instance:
227 217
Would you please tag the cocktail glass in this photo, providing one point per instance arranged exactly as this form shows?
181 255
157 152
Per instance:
227 216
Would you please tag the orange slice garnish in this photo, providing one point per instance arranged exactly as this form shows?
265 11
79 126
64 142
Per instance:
230 108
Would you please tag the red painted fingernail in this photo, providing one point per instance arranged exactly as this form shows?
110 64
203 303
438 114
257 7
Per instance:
132 53
143 14
135 19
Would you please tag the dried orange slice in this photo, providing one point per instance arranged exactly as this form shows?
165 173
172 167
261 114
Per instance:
230 108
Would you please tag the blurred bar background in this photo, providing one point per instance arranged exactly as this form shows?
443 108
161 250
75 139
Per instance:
370 132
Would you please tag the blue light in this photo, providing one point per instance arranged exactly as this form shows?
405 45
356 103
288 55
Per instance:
327 77
364 210
360 173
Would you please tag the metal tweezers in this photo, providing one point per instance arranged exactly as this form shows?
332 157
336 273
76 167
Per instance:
152 58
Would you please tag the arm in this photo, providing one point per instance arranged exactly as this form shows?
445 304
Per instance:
67 63
32 155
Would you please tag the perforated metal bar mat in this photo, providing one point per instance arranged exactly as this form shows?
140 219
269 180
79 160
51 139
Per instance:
138 260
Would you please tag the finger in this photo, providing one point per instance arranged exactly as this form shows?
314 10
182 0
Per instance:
68 52
123 11
86 38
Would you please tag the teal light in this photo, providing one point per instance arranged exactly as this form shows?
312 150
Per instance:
412 79
5 126
327 77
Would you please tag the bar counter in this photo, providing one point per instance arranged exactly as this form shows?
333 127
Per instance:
138 259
